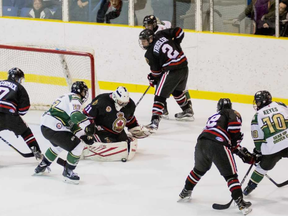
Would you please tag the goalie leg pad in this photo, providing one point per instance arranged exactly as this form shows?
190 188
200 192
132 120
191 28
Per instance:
106 152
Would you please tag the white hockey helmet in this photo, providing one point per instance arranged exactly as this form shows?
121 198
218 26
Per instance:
121 97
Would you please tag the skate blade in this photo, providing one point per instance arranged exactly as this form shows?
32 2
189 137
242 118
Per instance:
186 199
246 211
46 171
187 119
69 181
166 117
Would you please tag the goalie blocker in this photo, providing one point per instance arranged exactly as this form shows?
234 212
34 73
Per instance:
106 152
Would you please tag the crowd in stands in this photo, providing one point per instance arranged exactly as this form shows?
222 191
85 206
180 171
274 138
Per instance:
261 12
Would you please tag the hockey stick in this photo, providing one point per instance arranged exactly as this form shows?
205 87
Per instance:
143 95
226 206
278 185
26 155
61 162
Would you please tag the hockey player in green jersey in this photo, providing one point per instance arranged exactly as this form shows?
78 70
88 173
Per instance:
269 130
64 125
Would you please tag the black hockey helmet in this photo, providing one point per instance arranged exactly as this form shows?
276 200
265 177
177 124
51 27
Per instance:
16 74
261 99
224 103
80 88
150 20
144 36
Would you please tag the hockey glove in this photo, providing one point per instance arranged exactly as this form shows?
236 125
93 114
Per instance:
152 80
87 139
235 142
245 155
139 132
257 155
90 129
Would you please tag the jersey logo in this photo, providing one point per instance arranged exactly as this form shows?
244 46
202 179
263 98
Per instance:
76 107
59 125
119 123
108 109
219 139
95 102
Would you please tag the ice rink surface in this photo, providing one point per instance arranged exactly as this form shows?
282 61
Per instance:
148 185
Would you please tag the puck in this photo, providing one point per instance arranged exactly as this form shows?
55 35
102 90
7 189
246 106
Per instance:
123 159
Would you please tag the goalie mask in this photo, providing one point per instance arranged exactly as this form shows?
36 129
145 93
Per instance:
16 74
121 97
80 88
150 22
262 99
224 103
146 38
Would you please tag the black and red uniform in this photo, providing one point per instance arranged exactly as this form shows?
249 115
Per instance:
14 101
109 122
222 131
168 65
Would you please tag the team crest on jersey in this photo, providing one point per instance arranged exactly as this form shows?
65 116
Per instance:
219 139
11 111
119 123
76 107
95 102
147 60
108 109
58 125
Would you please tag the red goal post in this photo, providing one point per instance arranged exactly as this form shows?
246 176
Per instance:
49 73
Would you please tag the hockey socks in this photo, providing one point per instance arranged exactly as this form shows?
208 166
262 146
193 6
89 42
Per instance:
234 187
181 99
30 140
193 178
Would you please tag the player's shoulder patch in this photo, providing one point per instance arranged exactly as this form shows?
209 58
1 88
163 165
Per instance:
237 114
255 119
147 60
94 102
76 106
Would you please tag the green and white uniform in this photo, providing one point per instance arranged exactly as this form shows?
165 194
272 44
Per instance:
65 115
269 128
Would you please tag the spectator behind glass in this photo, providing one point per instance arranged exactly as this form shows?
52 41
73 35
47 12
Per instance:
109 10
39 11
268 20
79 10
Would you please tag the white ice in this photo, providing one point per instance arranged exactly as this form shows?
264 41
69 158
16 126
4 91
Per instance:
148 185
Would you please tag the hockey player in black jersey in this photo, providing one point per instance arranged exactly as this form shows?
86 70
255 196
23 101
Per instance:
14 103
112 112
220 137
169 71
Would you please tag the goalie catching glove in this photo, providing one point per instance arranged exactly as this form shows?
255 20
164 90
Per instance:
139 132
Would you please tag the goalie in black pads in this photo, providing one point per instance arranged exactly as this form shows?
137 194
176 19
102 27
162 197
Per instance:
64 125
215 144
14 103
169 71
112 112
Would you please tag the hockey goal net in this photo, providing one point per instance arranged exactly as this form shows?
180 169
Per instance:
49 73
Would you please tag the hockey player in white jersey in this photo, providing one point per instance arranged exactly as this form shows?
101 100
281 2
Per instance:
269 130
64 125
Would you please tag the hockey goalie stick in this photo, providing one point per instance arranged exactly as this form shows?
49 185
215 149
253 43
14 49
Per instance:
278 185
26 155
226 206
143 95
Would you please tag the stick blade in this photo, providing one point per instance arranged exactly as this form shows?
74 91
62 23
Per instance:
221 206
283 184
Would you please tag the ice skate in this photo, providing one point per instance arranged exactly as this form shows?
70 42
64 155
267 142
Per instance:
249 188
186 115
70 176
243 206
165 114
185 195
153 126
41 168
